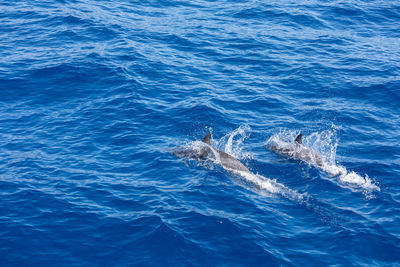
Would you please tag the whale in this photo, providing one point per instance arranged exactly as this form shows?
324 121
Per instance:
297 150
206 151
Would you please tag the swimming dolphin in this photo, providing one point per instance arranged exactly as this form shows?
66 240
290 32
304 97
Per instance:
297 150
205 150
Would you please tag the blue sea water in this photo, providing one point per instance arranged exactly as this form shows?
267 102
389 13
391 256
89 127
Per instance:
94 95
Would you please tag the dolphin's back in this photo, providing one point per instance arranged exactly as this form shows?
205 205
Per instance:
229 162
298 151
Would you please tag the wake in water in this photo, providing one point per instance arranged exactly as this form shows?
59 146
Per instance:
318 150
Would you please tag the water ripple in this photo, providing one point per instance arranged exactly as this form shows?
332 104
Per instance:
95 94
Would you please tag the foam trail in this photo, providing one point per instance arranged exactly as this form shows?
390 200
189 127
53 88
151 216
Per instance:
351 178
319 150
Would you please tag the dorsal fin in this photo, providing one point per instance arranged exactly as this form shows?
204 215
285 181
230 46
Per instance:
207 139
298 139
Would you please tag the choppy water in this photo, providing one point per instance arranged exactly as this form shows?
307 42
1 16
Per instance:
95 94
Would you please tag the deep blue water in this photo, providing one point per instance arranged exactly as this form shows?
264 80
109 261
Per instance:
94 95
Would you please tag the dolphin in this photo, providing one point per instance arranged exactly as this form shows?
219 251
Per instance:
297 150
205 150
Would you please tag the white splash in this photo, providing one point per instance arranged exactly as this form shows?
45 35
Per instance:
233 146
351 178
324 145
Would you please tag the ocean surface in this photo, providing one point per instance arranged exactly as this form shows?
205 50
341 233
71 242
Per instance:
95 97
